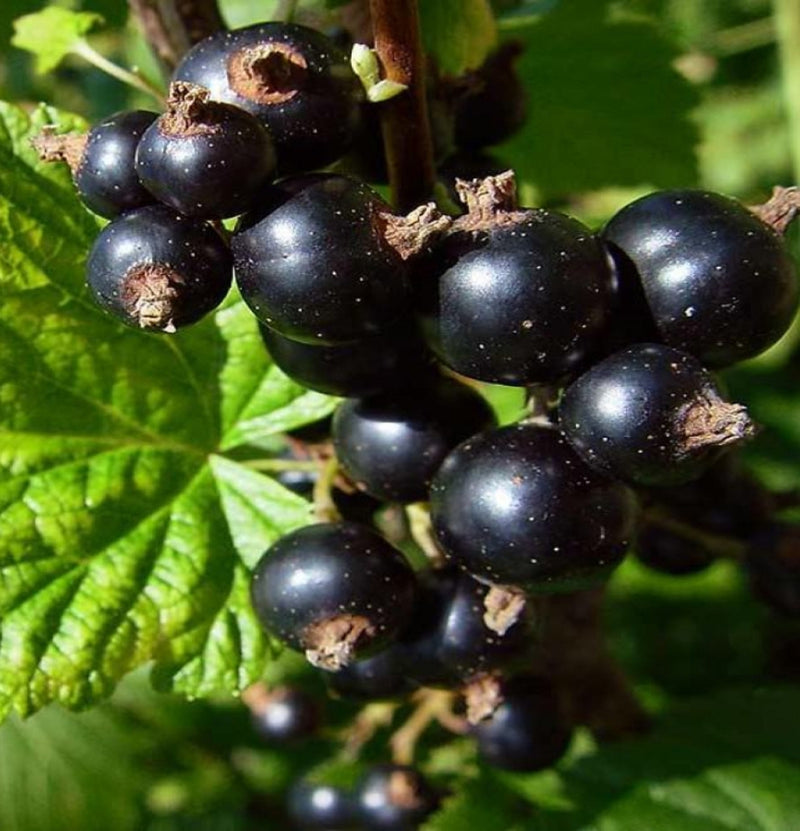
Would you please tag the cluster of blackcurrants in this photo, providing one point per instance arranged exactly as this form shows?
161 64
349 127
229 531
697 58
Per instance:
613 334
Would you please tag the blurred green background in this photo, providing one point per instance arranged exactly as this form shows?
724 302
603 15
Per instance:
624 96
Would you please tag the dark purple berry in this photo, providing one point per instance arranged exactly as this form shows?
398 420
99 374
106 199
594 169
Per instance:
293 79
318 807
650 415
102 162
663 550
312 262
334 590
363 367
719 281
204 158
286 714
772 563
394 798
515 296
154 269
391 445
517 506
383 676
527 731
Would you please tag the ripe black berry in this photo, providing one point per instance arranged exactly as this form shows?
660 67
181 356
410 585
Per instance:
204 158
157 270
517 506
285 714
516 296
773 566
334 590
527 731
391 445
384 361
379 677
317 807
719 282
312 262
293 79
394 798
665 551
650 415
102 162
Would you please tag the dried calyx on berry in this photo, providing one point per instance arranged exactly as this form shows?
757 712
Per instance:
205 158
513 296
295 80
102 161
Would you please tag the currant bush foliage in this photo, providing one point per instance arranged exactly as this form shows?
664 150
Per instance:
118 517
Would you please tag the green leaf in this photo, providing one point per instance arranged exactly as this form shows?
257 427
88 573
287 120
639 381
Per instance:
126 536
52 33
605 105
458 33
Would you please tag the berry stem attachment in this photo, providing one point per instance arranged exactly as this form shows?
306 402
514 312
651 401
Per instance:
431 705
282 465
419 524
404 118
372 718
325 508
719 545
780 209
172 27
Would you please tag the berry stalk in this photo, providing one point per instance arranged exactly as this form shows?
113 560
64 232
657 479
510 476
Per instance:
404 119
172 27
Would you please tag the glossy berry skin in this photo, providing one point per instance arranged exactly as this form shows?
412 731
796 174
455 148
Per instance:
517 506
521 302
363 367
286 715
317 807
383 676
335 590
662 550
719 282
448 641
391 445
106 177
295 80
650 415
312 264
394 798
156 270
527 731
772 563
211 164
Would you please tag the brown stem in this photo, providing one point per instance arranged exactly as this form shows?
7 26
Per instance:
592 686
172 27
780 209
404 119
432 705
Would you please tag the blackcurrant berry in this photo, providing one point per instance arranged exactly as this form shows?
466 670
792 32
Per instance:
383 676
719 282
527 731
517 506
319 807
293 79
286 714
650 415
515 296
391 445
773 566
663 550
394 798
312 262
102 162
157 270
494 106
204 158
334 590
363 367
